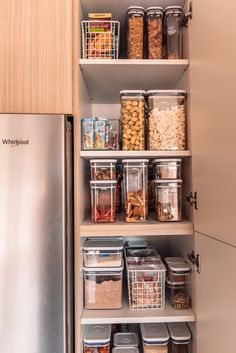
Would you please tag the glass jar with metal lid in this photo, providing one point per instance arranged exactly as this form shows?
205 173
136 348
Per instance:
180 337
168 205
135 32
166 120
154 32
133 120
155 337
167 168
173 32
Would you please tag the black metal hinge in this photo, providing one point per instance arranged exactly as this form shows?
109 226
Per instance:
195 260
193 199
187 15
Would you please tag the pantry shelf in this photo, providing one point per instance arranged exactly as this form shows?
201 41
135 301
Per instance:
150 228
126 315
105 78
134 154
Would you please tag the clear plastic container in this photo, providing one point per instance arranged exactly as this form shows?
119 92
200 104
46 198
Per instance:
168 200
167 168
179 272
103 201
155 32
127 339
135 32
97 338
103 169
103 252
125 350
173 32
180 337
174 260
135 189
142 256
103 288
113 135
155 337
166 120
179 295
133 120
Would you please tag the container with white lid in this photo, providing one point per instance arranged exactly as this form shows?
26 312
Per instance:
125 350
174 260
126 339
135 32
178 272
103 252
154 21
155 337
97 338
173 32
179 293
180 337
167 168
103 169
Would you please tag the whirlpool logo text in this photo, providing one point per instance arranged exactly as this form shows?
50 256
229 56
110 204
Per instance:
15 142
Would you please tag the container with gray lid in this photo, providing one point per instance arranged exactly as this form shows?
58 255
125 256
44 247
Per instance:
125 350
179 332
127 339
97 335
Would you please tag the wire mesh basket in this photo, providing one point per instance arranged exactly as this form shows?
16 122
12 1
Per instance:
146 283
100 39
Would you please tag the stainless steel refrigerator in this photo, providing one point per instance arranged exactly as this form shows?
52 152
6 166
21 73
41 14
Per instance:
36 234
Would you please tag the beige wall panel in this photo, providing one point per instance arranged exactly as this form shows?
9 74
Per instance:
215 296
213 122
36 56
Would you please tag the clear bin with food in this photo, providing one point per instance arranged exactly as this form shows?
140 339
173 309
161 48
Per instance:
135 32
103 252
155 337
180 337
126 339
135 189
166 120
154 17
179 295
103 169
168 207
174 260
113 134
142 256
179 272
97 338
103 201
167 168
125 350
103 288
174 32
133 120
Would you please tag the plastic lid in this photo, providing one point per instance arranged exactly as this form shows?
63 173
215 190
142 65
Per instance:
102 182
136 9
126 339
155 333
104 269
173 9
166 91
97 334
133 92
135 161
174 260
154 10
125 350
179 267
137 243
103 160
167 160
168 181
103 244
179 331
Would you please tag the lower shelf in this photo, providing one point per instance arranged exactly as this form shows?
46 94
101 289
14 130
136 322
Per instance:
125 315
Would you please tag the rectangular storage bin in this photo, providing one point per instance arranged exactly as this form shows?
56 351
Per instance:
126 339
125 350
142 256
103 201
179 295
97 338
103 252
179 272
103 169
174 32
103 288
154 21
180 337
155 337
167 168
135 32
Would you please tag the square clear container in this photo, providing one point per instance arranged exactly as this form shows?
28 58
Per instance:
135 189
155 337
126 339
133 120
179 295
113 134
154 16
180 337
135 32
103 169
166 120
103 288
174 260
103 201
173 32
142 256
125 350
103 252
167 168
97 338
168 203
179 272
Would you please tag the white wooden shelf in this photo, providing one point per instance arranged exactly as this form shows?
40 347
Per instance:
121 228
105 78
126 315
134 154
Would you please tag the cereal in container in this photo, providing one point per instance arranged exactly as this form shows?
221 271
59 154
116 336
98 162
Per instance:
135 32
154 32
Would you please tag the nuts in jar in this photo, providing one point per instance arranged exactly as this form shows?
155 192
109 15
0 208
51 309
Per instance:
133 120
135 32
179 295
154 27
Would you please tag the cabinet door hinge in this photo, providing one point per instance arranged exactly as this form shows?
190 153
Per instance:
195 260
193 199
187 15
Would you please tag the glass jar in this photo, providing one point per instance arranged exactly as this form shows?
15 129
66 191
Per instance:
155 337
103 288
97 338
168 205
154 32
167 168
173 32
166 120
103 169
133 120
135 32
179 295
135 189
103 201
180 337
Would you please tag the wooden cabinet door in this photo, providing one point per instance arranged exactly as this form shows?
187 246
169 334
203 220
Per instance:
36 56
213 117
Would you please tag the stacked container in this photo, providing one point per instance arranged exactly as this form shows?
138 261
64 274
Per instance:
173 32
135 32
180 337
126 342
154 32
97 338
103 273
155 337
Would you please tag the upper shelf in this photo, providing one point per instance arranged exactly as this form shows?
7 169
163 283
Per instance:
105 78
134 154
